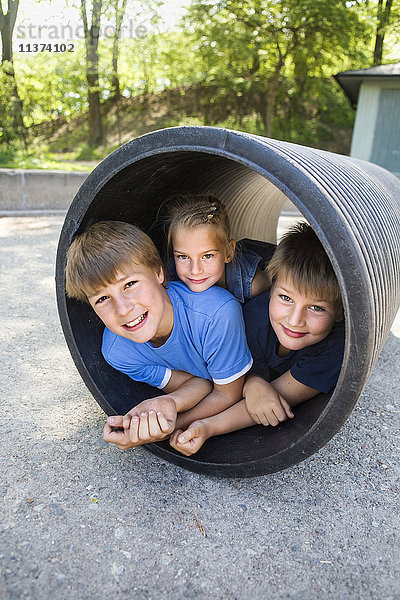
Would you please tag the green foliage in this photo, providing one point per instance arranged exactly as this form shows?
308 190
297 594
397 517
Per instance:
258 49
263 66
51 85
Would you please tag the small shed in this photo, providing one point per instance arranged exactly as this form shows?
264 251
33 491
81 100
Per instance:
375 93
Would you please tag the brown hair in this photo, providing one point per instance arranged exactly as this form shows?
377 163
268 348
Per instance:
301 257
96 255
192 210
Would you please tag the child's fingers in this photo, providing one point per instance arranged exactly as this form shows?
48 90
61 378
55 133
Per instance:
115 421
134 430
268 418
115 436
144 433
275 416
154 427
188 435
278 412
106 432
286 407
254 416
164 424
191 440
174 437
126 423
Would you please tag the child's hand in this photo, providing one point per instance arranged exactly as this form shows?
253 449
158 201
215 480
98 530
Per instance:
190 441
159 404
142 424
147 427
265 405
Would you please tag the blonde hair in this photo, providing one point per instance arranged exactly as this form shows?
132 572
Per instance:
301 258
96 256
191 210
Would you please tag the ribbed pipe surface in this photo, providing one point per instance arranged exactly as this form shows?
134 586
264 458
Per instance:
354 208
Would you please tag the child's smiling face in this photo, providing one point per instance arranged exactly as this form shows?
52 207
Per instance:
299 320
200 257
135 305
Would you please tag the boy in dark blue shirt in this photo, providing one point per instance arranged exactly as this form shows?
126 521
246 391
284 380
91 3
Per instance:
295 333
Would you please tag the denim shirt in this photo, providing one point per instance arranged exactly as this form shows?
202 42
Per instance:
239 273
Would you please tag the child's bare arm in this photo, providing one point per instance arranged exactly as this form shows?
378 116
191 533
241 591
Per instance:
221 398
181 393
187 390
263 404
292 390
261 283
190 441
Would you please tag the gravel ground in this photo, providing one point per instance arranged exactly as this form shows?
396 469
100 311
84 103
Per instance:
82 519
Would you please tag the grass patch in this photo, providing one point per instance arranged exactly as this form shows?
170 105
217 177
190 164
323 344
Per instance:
15 157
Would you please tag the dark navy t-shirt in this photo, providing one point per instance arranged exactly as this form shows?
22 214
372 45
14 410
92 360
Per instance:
317 366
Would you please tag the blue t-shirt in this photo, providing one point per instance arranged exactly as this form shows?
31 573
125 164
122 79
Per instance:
317 366
207 340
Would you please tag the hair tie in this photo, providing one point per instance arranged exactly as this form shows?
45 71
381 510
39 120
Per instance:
213 208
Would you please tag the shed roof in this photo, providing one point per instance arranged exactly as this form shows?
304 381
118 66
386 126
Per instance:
350 81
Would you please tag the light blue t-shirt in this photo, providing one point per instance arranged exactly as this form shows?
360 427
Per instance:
207 340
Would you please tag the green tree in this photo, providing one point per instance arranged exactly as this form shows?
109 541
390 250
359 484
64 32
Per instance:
254 47
53 86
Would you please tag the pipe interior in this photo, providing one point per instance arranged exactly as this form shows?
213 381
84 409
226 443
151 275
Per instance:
137 194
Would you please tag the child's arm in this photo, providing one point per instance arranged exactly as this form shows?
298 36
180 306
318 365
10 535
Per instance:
221 398
261 283
270 403
263 404
154 419
190 441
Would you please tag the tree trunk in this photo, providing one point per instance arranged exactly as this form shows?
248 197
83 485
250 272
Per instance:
268 110
383 21
119 17
271 95
7 23
92 71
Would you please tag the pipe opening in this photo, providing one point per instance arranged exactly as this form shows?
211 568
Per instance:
137 194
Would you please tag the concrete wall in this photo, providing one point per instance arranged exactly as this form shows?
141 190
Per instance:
37 190
34 189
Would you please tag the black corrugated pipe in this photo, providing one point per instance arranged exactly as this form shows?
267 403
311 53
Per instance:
354 208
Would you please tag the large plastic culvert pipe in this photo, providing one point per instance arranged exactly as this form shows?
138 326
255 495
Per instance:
353 207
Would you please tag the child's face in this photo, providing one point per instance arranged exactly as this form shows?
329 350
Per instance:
298 320
135 305
200 257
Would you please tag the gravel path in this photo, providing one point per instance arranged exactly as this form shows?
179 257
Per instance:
81 519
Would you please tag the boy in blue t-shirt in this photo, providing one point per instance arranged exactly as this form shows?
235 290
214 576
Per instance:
296 336
190 345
